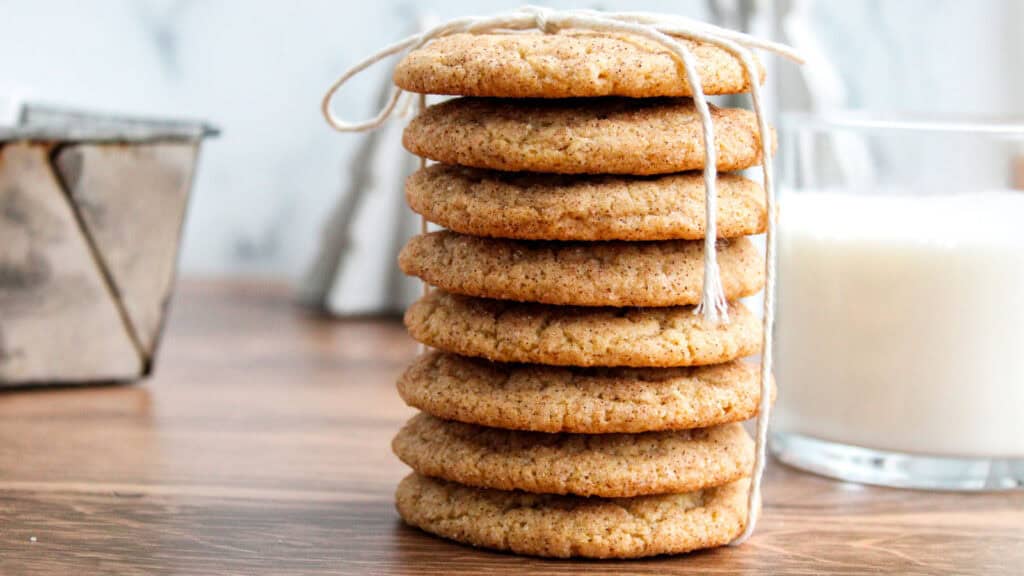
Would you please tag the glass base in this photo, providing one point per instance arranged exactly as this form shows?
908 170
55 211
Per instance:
866 466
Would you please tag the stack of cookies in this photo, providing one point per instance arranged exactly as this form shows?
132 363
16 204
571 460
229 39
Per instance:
573 404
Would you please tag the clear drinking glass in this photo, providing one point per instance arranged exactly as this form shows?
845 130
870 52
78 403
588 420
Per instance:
900 319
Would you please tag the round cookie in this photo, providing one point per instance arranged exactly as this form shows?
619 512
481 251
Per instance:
564 65
606 465
574 526
595 136
581 400
551 207
506 331
614 273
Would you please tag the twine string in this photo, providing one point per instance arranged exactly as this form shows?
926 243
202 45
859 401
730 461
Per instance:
421 105
666 31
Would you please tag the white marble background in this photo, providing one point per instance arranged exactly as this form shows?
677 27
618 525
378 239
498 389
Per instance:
257 68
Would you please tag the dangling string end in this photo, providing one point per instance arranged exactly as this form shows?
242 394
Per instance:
713 305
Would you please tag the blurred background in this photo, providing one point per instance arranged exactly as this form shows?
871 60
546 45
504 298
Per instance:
257 69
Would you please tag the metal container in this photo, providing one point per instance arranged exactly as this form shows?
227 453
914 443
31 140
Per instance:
91 213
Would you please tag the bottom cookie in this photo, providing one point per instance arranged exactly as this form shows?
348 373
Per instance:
573 526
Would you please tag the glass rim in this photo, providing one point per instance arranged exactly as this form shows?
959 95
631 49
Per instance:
853 120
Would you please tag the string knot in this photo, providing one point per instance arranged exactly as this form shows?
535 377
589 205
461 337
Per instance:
542 18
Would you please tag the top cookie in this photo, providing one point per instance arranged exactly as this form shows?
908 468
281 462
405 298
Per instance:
587 136
563 65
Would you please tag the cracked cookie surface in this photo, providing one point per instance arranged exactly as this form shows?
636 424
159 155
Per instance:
581 400
592 136
552 207
506 331
613 273
563 65
606 465
574 526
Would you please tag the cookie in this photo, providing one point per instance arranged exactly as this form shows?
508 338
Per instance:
614 273
593 136
582 400
506 331
552 207
606 465
563 65
574 526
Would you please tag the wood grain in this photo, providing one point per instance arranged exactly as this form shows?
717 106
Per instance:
262 446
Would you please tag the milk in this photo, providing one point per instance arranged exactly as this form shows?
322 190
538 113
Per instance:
900 323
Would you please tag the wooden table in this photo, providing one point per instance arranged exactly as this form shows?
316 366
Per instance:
262 446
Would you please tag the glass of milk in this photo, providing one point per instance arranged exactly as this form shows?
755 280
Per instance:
900 319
